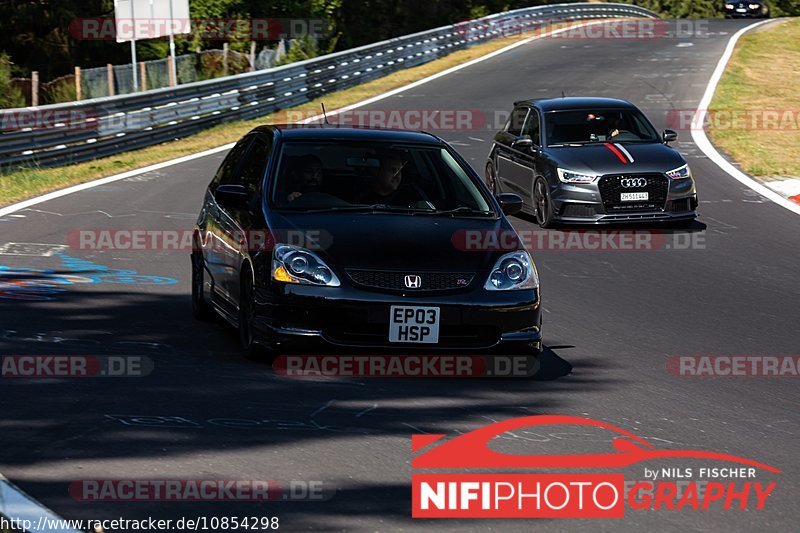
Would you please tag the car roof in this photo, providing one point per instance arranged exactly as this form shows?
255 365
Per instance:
575 102
349 133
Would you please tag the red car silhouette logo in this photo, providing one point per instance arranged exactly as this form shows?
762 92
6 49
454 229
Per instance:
471 449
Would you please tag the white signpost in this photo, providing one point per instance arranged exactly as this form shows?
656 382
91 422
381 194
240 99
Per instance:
151 19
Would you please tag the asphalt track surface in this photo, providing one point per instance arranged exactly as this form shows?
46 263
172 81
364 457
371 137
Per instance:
612 319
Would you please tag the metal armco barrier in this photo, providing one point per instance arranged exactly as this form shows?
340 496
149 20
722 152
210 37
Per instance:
60 134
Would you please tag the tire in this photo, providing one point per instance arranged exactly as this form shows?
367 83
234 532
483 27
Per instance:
201 309
247 305
490 178
542 208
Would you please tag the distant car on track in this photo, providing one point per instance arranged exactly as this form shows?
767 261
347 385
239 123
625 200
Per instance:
590 161
748 8
385 274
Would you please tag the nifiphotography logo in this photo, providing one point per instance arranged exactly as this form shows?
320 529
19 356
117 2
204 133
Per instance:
721 481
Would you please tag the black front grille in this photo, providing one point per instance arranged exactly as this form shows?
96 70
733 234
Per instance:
578 210
395 280
684 204
611 188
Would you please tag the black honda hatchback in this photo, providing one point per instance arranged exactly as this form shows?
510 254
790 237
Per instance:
361 239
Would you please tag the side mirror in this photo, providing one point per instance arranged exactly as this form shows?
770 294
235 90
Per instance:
510 203
234 195
670 135
523 141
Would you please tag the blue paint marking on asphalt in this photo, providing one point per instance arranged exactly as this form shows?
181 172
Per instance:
35 284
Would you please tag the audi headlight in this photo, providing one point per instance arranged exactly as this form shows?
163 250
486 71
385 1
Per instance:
568 176
292 264
514 270
728 6
754 6
680 172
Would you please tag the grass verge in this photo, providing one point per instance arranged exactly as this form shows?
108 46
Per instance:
26 183
755 113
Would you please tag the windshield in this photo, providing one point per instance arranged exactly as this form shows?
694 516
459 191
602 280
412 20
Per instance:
598 125
352 176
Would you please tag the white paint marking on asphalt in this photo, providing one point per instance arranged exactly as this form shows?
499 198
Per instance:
102 181
131 173
701 139
318 411
367 410
16 505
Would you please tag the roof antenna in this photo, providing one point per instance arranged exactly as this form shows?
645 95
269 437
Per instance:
324 114
562 94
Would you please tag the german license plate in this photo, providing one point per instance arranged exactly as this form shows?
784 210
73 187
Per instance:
633 196
414 324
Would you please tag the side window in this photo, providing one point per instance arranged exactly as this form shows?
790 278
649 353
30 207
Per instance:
254 165
228 167
532 127
516 120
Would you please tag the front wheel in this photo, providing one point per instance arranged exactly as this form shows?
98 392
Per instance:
542 208
201 310
247 308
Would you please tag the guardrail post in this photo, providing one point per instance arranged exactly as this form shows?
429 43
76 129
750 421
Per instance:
34 88
143 75
78 87
110 75
225 59
171 72
252 56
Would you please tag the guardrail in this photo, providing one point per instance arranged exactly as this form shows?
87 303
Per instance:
60 134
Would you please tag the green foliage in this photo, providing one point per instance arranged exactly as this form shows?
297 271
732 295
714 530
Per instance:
39 36
10 96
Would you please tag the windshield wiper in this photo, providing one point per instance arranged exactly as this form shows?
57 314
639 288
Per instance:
463 209
366 209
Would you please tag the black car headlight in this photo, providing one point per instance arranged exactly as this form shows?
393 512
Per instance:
514 270
680 173
728 6
292 264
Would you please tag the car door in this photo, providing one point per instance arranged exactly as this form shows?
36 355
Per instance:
215 241
527 157
244 220
510 171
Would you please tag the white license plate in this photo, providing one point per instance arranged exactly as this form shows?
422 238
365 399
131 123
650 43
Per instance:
741 10
632 196
414 324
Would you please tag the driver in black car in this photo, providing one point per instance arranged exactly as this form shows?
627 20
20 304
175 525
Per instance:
385 186
305 176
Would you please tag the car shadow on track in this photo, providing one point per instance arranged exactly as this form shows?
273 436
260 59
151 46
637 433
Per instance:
203 404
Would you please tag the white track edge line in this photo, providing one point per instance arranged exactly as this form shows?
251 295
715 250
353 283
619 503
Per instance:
135 172
16 504
701 139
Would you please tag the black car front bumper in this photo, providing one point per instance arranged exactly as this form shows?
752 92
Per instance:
293 317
